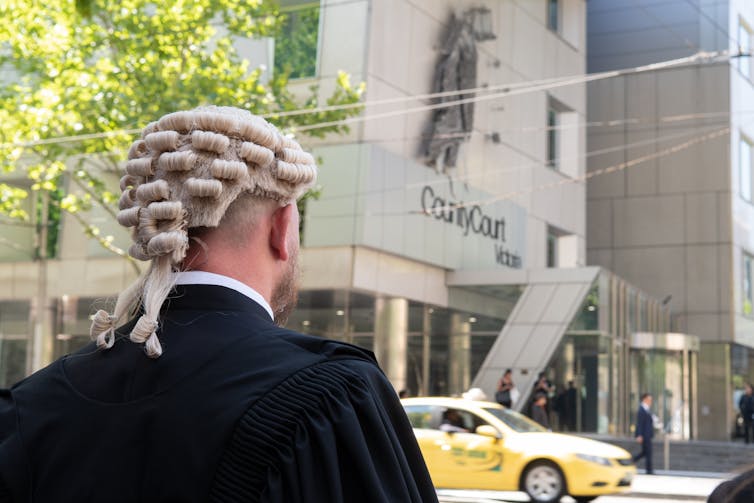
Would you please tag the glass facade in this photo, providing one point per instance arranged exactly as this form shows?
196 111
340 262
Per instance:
615 349
444 347
665 373
15 325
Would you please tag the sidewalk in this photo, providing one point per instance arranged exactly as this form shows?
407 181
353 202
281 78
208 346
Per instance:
689 486
695 486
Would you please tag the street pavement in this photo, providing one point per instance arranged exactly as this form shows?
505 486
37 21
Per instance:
666 486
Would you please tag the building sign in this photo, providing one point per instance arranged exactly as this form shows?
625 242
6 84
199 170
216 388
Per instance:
374 198
471 219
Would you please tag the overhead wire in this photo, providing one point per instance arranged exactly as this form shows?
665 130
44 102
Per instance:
708 57
528 166
634 121
569 181
507 91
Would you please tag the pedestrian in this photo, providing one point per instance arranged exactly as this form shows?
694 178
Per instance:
746 407
542 385
645 431
539 410
565 405
202 395
505 388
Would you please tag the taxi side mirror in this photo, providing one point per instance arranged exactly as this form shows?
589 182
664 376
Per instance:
488 431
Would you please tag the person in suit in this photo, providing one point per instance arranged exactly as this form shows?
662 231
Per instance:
746 407
645 431
192 389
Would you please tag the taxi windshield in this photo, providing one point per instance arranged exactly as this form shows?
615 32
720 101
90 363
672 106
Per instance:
515 421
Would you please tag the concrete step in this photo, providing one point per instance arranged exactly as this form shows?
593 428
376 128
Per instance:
691 455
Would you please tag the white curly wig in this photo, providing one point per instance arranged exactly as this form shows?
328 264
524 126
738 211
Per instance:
184 172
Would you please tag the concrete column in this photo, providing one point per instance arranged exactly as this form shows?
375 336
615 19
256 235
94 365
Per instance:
459 357
715 402
391 338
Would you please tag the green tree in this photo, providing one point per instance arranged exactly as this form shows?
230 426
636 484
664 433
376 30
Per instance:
79 78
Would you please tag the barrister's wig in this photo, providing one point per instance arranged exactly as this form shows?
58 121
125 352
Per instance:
184 172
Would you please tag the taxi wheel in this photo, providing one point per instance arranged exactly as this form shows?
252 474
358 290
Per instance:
543 482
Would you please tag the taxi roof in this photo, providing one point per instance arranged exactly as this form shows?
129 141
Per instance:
449 401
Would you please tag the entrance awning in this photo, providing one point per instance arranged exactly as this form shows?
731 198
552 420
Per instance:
536 325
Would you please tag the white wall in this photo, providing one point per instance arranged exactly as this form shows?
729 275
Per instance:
402 42
742 122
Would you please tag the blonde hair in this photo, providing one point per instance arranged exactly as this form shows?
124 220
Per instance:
185 172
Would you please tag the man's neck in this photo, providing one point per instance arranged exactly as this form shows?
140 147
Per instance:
212 278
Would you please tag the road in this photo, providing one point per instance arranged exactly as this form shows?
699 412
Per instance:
666 488
500 497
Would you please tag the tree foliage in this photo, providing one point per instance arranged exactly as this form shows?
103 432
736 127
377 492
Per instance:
79 78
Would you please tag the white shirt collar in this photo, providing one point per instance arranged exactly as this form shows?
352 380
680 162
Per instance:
646 407
210 278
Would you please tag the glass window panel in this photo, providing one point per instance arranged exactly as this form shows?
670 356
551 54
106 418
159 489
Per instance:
552 250
414 368
552 138
12 361
587 318
748 291
421 416
324 313
14 330
553 14
296 45
744 47
439 345
745 169
480 346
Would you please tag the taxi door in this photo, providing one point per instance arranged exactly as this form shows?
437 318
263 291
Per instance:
468 460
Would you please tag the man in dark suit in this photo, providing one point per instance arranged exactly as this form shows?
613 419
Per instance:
192 390
645 431
746 406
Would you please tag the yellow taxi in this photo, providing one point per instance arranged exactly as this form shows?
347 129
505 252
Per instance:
482 445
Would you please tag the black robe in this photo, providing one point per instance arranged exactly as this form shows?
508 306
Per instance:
236 409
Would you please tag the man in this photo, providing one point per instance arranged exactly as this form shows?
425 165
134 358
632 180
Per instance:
539 410
452 422
746 406
566 407
200 396
645 431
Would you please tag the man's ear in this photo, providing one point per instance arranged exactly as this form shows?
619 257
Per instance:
282 219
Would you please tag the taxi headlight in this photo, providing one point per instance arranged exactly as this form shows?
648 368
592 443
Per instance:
594 459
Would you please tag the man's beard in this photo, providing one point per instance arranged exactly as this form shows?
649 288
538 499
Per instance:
285 293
